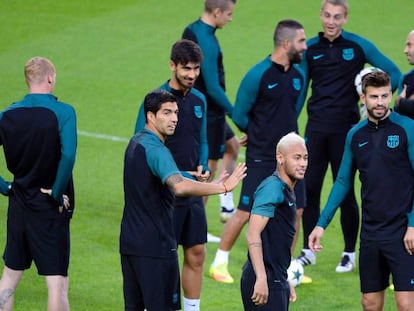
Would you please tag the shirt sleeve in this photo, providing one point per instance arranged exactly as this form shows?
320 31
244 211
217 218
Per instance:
343 184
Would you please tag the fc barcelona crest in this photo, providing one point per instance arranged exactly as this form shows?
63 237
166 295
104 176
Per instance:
198 112
296 84
348 54
393 141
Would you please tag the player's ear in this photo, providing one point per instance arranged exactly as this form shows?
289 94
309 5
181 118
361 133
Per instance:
173 66
362 98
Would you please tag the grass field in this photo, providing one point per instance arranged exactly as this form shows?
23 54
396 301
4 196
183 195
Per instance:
108 55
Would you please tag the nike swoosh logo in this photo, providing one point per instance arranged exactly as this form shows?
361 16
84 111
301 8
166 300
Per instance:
291 204
362 144
271 86
316 57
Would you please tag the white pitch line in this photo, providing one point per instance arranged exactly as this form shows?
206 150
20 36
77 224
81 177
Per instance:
103 136
118 138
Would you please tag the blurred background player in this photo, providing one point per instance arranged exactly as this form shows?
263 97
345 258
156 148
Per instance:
404 104
331 62
189 148
211 82
266 110
264 279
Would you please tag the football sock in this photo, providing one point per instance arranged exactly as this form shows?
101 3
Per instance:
191 304
227 200
221 257
351 256
308 253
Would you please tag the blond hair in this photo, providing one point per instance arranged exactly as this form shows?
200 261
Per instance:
37 69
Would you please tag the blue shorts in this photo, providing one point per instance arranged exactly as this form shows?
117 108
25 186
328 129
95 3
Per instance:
46 241
150 283
279 292
256 173
190 221
380 259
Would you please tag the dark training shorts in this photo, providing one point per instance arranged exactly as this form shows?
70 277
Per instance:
190 221
216 133
279 292
42 240
150 283
255 175
379 259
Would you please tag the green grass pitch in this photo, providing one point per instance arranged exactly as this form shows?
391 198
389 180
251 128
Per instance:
108 55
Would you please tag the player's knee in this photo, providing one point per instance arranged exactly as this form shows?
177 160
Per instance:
370 303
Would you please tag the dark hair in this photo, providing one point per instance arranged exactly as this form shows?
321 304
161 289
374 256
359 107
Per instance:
153 101
186 51
375 79
286 30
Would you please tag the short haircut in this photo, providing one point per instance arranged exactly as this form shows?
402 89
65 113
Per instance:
375 79
186 51
343 3
288 140
37 69
285 30
154 99
211 5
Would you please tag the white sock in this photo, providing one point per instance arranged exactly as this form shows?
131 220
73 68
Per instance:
221 257
351 256
191 304
308 253
227 200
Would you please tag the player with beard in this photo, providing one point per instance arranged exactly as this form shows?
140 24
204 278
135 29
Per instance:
265 110
381 149
189 148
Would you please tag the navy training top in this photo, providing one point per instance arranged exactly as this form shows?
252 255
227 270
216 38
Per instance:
39 141
406 105
147 227
211 81
332 67
266 107
275 200
384 156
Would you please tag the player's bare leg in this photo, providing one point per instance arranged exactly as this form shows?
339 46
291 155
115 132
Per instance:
57 286
192 275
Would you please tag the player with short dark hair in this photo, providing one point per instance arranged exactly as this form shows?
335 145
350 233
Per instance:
264 279
265 109
39 139
381 148
331 62
189 148
148 244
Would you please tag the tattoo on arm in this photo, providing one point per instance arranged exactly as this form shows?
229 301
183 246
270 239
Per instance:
174 179
5 295
255 244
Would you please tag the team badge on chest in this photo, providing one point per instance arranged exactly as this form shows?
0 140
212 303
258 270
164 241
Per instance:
393 141
348 54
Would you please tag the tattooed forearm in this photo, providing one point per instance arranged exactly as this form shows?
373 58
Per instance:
5 295
174 179
255 244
